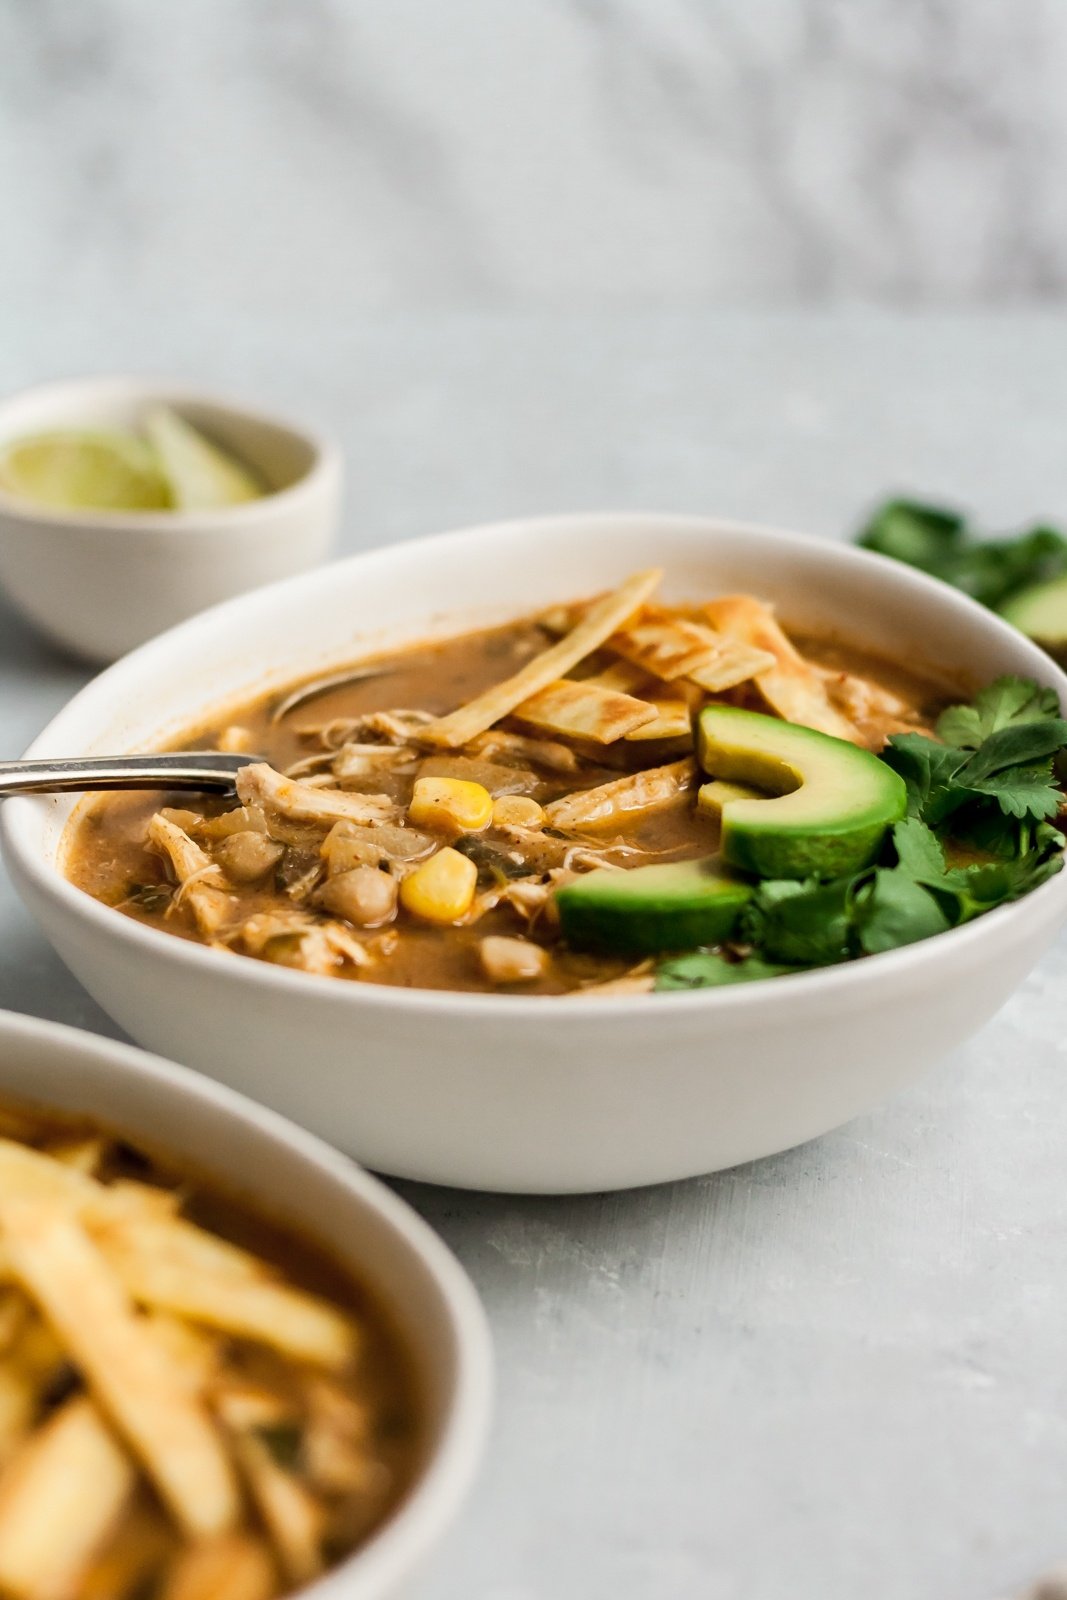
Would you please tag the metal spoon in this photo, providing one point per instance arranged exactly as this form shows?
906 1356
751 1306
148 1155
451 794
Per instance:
334 680
210 771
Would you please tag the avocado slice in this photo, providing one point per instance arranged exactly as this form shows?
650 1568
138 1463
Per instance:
827 806
645 910
1040 611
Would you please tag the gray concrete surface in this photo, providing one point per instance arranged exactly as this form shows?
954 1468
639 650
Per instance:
836 1373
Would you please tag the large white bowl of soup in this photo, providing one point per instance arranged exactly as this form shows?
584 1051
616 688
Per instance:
485 913
232 1363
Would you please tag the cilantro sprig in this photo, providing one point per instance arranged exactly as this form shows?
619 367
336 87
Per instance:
943 543
976 836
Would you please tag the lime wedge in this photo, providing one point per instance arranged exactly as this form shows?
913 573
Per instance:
84 472
201 476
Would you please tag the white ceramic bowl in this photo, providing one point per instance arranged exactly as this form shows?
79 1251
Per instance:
500 1091
101 582
298 1180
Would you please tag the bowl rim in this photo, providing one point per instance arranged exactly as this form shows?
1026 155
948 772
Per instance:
814 985
401 1542
325 463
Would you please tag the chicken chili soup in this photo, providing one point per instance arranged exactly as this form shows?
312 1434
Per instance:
193 1402
614 796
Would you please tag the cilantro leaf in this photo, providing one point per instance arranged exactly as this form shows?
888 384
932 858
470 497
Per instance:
999 705
1023 791
919 851
928 770
706 969
1018 745
805 922
896 910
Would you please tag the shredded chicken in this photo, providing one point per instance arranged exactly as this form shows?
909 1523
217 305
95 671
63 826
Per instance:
303 802
623 798
200 880
369 760
544 752
295 939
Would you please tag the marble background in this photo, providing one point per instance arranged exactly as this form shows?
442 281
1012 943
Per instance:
380 154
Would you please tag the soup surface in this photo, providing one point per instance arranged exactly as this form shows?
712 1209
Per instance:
434 808
194 1403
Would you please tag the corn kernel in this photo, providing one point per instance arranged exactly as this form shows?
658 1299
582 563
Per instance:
441 889
451 803
517 810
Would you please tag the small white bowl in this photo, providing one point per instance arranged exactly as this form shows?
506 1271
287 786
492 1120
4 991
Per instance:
100 582
504 1091
296 1180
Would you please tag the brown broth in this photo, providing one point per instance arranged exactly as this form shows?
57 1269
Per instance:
106 853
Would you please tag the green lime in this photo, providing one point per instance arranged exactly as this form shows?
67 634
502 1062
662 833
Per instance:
201 476
84 472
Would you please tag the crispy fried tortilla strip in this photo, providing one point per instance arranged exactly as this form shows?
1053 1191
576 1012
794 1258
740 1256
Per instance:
141 1391
292 1516
584 710
157 1264
85 1155
613 803
59 1500
623 677
235 1567
790 685
670 647
673 720
601 620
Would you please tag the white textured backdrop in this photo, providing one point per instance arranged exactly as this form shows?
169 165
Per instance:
387 153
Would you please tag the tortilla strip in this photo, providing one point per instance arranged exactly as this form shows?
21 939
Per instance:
260 785
140 1389
610 803
154 1268
59 1499
235 1567
599 622
673 720
622 676
292 1517
790 686
585 710
674 647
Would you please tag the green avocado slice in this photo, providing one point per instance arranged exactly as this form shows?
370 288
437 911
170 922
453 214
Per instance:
1040 611
645 910
826 804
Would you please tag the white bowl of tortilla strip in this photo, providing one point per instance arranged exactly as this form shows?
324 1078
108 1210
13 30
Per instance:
506 1091
139 1444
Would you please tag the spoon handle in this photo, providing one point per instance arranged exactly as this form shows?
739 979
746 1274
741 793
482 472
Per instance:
206 770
